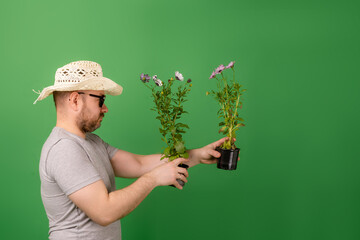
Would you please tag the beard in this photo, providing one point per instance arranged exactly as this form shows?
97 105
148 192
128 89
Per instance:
88 124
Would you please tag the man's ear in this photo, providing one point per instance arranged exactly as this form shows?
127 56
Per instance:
75 101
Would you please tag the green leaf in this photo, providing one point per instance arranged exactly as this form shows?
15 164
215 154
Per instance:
222 129
182 125
167 151
221 124
173 158
179 146
239 125
184 155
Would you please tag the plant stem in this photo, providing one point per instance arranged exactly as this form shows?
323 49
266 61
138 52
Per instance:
233 121
227 106
233 75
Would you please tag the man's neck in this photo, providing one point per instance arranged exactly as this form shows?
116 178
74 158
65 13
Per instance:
71 128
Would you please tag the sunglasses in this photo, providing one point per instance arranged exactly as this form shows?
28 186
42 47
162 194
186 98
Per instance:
101 98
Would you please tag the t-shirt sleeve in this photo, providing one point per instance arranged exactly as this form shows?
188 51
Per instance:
70 166
110 149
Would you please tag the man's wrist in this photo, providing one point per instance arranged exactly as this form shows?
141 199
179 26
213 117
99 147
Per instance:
193 157
149 180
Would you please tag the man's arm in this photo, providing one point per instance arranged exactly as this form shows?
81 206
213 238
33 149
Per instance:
129 165
206 154
104 208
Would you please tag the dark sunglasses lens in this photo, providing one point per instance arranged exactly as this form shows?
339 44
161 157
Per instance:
101 102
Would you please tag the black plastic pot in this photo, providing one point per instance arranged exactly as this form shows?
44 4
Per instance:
181 182
228 159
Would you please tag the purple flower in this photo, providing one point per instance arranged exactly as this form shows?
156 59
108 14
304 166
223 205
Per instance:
219 69
144 78
189 80
212 75
231 65
179 76
158 82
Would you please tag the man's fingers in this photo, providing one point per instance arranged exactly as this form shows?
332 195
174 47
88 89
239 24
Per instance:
183 171
177 185
180 160
182 177
214 153
221 141
209 161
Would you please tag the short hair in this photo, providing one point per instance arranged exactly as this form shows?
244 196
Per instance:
59 97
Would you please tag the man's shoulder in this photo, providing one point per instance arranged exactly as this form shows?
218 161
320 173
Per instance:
59 145
59 136
94 137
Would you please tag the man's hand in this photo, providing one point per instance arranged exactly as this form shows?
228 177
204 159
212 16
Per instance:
168 172
207 154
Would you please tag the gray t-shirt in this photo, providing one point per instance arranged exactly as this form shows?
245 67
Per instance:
67 164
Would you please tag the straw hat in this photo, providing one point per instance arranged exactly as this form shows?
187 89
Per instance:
81 75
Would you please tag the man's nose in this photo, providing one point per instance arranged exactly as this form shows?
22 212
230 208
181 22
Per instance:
104 108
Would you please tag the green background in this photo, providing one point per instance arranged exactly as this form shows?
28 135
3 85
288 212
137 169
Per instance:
298 173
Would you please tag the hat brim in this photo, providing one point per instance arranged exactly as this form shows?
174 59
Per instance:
96 83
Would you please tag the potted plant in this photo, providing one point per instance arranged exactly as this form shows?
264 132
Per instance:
169 109
229 96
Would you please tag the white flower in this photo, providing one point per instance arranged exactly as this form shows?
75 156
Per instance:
154 77
179 76
158 82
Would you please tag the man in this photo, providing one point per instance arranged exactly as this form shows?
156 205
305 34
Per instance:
78 169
